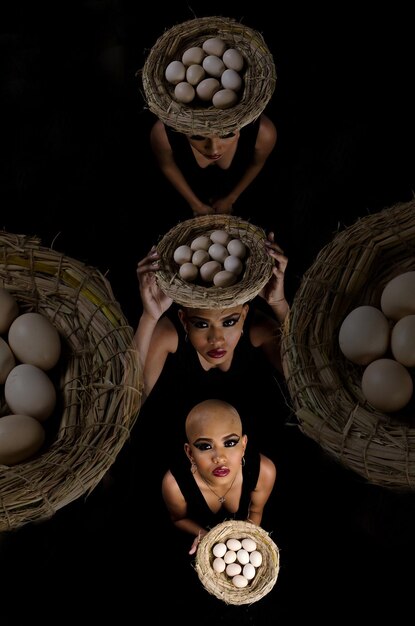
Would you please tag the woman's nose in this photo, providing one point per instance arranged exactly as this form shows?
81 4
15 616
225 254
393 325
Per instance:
219 457
212 146
216 337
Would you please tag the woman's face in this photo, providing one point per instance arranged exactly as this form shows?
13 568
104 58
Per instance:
214 333
213 147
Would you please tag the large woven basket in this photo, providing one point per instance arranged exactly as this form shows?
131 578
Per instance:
257 272
259 77
99 387
324 386
221 586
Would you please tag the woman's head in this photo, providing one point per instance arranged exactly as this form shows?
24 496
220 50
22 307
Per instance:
215 440
213 147
214 333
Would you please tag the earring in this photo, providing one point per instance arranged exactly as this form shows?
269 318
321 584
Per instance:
186 337
193 467
243 461
242 332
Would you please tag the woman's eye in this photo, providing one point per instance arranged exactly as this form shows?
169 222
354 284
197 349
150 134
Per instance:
197 137
228 323
228 136
199 324
231 443
203 446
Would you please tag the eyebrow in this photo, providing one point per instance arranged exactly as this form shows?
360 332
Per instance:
200 439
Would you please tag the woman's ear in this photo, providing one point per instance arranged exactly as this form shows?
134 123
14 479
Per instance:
244 442
245 310
182 318
188 452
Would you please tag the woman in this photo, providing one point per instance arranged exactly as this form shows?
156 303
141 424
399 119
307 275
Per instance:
196 165
223 482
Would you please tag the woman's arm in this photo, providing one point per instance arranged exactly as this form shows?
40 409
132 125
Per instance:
177 508
260 495
164 155
265 142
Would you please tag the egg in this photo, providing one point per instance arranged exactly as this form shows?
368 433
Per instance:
21 437
229 556
231 80
249 571
236 247
207 88
398 296
220 236
224 99
208 270
7 360
219 564
213 65
224 279
387 385
242 556
193 56
403 340
183 254
240 581
201 243
233 569
233 544
200 257
233 59
28 390
188 272
175 72
255 558
9 310
194 74
35 340
219 549
214 45
233 264
184 92
218 252
248 544
364 335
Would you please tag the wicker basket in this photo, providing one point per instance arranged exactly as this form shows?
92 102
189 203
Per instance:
259 77
257 272
324 386
219 584
99 385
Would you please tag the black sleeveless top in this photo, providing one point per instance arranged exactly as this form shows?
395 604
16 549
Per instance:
197 507
213 182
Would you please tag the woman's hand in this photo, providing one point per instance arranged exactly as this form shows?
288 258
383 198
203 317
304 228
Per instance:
202 209
223 206
154 300
196 541
273 292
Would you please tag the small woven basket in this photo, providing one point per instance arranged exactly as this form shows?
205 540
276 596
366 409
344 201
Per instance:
259 77
219 584
325 387
99 388
257 272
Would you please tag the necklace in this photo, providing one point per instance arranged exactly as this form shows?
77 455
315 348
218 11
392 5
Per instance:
220 498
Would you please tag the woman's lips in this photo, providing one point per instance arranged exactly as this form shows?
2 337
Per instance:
216 354
221 472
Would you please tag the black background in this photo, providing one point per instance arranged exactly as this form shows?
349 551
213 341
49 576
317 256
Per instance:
76 170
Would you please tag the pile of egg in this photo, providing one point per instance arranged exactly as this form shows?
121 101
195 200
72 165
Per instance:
239 559
210 72
217 259
31 348
383 340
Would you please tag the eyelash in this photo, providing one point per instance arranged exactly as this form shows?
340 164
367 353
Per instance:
226 324
200 138
207 446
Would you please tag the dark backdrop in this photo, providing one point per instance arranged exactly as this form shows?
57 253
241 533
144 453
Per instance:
76 170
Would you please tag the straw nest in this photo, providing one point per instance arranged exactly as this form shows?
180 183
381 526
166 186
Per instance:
98 380
219 584
258 264
324 386
259 77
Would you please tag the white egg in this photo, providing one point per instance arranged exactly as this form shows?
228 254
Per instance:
184 92
231 80
233 59
200 257
213 65
220 236
224 99
28 390
229 556
7 360
21 436
219 564
240 581
194 74
219 549
175 72
218 252
242 556
35 340
201 243
255 558
208 270
9 309
233 264
193 56
387 385
233 569
207 88
237 248
224 279
188 272
183 254
248 544
398 296
214 45
364 335
233 544
249 571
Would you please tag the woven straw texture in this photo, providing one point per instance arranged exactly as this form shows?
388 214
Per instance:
99 381
257 272
218 584
324 386
259 77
